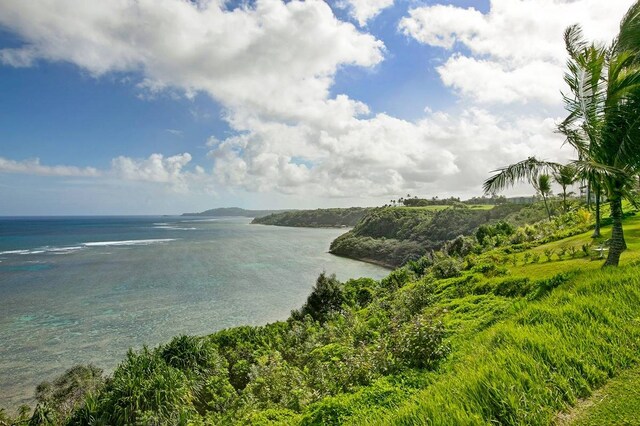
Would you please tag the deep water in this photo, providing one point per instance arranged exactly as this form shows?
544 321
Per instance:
84 290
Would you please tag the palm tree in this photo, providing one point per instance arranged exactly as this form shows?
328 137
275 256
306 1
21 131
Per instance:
603 125
604 116
543 187
565 177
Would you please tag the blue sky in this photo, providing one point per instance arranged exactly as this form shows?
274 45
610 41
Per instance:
286 105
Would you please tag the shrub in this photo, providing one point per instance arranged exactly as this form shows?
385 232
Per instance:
359 292
396 279
420 266
573 252
419 342
548 252
66 393
325 298
414 298
143 389
513 287
446 268
489 270
274 381
193 355
460 246
562 251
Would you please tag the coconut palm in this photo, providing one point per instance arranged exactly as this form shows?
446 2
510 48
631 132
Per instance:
604 115
565 177
603 124
543 187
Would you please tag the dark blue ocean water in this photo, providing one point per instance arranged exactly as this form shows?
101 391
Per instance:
85 289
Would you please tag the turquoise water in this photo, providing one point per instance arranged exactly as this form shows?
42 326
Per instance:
84 290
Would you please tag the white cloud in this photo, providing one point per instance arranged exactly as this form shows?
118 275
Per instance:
33 167
515 52
490 81
156 168
272 65
364 10
273 60
384 155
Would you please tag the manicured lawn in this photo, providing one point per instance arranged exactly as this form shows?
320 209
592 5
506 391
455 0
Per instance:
544 269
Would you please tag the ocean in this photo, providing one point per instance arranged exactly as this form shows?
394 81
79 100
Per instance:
86 289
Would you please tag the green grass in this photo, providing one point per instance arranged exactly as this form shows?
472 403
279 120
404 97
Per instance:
546 269
543 358
617 403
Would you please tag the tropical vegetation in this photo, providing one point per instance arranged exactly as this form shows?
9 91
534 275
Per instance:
319 218
602 123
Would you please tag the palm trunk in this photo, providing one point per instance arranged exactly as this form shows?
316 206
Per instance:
618 245
546 206
564 199
596 231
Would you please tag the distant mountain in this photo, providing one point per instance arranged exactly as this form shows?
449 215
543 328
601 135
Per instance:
233 211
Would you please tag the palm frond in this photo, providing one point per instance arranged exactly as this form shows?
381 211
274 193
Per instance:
526 170
594 170
574 40
629 36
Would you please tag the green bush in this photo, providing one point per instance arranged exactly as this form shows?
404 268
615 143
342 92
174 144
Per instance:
513 287
419 342
326 297
58 399
359 292
446 268
143 389
489 269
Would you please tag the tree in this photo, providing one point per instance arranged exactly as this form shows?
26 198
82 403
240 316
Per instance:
603 124
325 298
565 177
543 187
604 115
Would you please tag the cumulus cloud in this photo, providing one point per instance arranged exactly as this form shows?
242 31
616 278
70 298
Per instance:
515 52
364 10
170 172
274 59
271 66
33 167
384 155
157 168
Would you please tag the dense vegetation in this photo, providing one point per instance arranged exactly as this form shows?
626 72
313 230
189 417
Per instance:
435 201
319 218
391 236
603 107
461 336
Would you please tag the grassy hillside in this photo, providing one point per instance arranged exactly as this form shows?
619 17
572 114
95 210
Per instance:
393 235
319 218
497 337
